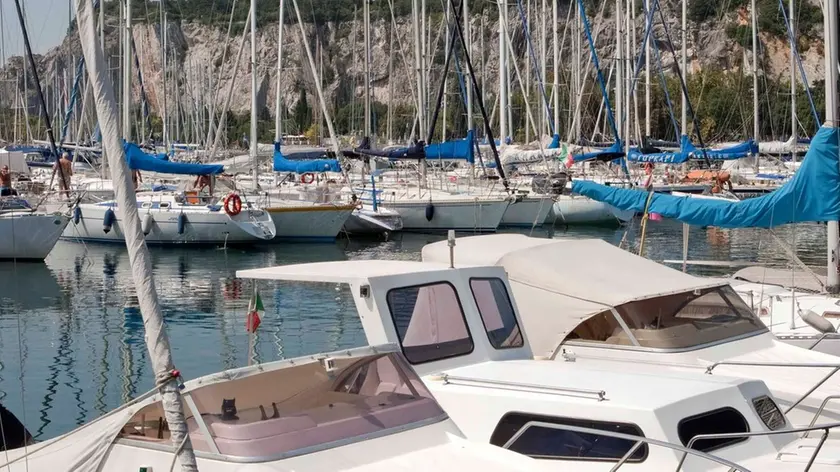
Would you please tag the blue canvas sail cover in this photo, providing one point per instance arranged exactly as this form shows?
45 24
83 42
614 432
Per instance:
813 194
615 151
454 149
282 164
689 151
555 142
139 160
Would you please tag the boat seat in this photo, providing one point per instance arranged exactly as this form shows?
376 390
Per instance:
307 428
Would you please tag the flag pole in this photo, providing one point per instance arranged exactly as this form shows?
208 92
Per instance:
249 323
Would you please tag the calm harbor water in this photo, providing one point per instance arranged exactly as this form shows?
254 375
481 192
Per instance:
70 350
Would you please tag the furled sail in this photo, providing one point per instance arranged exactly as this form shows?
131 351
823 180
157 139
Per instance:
283 164
139 160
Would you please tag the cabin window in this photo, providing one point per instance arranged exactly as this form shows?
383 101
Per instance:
146 205
497 314
720 421
542 442
164 205
430 322
677 321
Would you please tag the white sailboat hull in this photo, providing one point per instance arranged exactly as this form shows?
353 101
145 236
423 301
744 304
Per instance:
367 221
530 211
461 215
27 236
201 227
309 221
575 210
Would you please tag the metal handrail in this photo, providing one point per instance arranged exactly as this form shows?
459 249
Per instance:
820 410
835 367
822 427
536 388
639 440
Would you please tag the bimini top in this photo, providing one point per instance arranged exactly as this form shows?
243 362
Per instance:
591 270
339 271
562 285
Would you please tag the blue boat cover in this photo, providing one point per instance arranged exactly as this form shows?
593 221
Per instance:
615 151
139 160
555 142
813 194
689 151
454 149
281 164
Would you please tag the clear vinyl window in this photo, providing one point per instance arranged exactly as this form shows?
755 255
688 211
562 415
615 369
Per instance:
497 313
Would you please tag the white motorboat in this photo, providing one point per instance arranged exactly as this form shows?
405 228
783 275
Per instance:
528 210
792 304
173 218
28 234
460 330
355 410
578 210
366 220
592 300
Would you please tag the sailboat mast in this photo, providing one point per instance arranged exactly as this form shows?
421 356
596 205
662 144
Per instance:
157 341
831 76
503 131
278 118
126 81
619 71
647 71
683 63
418 64
556 63
791 23
366 25
468 47
253 151
754 21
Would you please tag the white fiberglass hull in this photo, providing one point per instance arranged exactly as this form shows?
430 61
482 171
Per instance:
530 211
576 210
308 221
364 221
200 227
461 215
26 236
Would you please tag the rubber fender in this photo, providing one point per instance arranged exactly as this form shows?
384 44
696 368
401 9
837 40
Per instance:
108 221
430 212
146 223
77 215
818 322
182 223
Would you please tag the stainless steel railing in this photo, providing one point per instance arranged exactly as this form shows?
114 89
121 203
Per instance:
834 367
535 388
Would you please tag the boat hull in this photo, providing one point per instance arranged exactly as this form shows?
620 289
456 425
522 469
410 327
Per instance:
365 221
461 215
29 237
321 222
249 226
530 211
576 210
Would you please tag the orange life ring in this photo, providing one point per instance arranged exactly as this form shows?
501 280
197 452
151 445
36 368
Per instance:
233 204
307 178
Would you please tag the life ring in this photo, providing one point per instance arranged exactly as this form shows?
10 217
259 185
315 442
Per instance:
307 178
233 204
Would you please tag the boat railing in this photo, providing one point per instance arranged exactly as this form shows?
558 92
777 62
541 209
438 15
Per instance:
834 368
638 442
825 428
600 395
820 410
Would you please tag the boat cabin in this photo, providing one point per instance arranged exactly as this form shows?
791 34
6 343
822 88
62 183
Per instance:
460 330
594 301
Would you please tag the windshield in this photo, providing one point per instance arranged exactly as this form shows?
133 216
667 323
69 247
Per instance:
673 321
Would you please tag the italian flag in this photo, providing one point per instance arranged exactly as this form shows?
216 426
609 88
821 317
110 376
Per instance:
255 310
570 158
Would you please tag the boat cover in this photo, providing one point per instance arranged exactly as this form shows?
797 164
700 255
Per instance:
615 151
813 194
283 164
139 160
581 278
453 149
689 151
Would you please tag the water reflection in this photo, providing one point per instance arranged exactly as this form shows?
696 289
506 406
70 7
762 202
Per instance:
80 351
